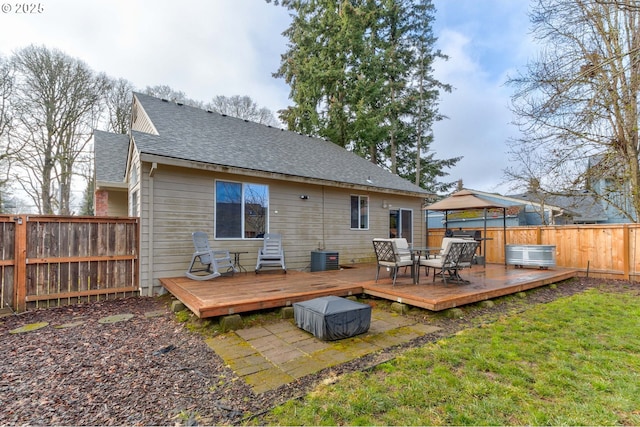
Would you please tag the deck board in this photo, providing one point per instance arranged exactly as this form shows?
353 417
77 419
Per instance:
250 292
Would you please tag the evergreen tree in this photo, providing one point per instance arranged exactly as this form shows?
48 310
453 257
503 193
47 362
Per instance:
87 198
420 165
360 73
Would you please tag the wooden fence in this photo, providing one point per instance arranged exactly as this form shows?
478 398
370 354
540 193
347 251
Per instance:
50 260
53 260
606 251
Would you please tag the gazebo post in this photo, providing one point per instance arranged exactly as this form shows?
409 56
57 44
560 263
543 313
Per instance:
484 241
504 237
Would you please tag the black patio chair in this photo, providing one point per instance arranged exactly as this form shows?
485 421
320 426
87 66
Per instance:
387 255
458 256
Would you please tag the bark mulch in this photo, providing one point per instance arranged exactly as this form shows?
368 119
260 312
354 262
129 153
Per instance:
86 367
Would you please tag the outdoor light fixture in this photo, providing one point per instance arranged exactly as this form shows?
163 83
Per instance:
304 196
384 204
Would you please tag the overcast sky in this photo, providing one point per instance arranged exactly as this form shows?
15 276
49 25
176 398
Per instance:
231 47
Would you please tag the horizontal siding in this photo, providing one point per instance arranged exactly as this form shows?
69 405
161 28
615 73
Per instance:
183 202
117 205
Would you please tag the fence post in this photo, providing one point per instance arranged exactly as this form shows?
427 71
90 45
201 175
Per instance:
626 253
20 269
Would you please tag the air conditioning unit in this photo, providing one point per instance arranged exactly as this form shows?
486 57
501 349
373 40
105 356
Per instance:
324 260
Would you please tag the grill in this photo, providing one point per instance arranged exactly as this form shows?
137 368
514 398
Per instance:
471 234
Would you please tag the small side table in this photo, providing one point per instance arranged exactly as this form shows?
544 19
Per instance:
236 260
416 252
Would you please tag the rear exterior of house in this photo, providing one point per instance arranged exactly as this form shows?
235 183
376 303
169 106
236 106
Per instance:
190 170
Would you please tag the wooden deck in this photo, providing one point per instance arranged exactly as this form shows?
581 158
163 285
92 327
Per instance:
272 289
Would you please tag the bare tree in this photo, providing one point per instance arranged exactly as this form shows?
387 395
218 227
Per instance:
577 102
242 107
6 90
58 101
118 102
168 93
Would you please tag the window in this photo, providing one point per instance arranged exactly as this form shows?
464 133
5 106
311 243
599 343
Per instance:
133 176
360 212
133 204
241 210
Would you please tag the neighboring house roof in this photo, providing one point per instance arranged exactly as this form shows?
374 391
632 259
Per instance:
583 206
575 206
111 152
193 134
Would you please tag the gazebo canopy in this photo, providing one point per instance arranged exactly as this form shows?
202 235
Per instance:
466 199
462 200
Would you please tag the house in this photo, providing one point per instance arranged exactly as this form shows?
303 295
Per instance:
183 169
527 209
603 179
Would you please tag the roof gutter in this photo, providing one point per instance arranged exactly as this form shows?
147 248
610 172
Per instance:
104 185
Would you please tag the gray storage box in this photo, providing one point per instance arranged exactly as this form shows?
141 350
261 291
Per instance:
332 318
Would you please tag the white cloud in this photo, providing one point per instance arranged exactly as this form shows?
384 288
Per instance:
485 44
204 48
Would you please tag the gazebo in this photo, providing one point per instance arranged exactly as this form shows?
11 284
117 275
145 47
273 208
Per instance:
466 200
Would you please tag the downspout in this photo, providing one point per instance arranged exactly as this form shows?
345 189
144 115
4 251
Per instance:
426 221
152 171
324 236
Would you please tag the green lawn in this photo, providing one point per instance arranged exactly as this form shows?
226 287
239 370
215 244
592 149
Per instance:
575 361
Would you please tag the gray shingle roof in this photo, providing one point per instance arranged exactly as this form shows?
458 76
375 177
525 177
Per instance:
194 134
110 154
584 206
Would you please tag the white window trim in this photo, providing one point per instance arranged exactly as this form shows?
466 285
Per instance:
360 197
242 209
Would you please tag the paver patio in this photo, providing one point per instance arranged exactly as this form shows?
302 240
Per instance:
269 356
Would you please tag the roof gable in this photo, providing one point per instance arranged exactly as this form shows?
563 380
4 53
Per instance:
194 134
